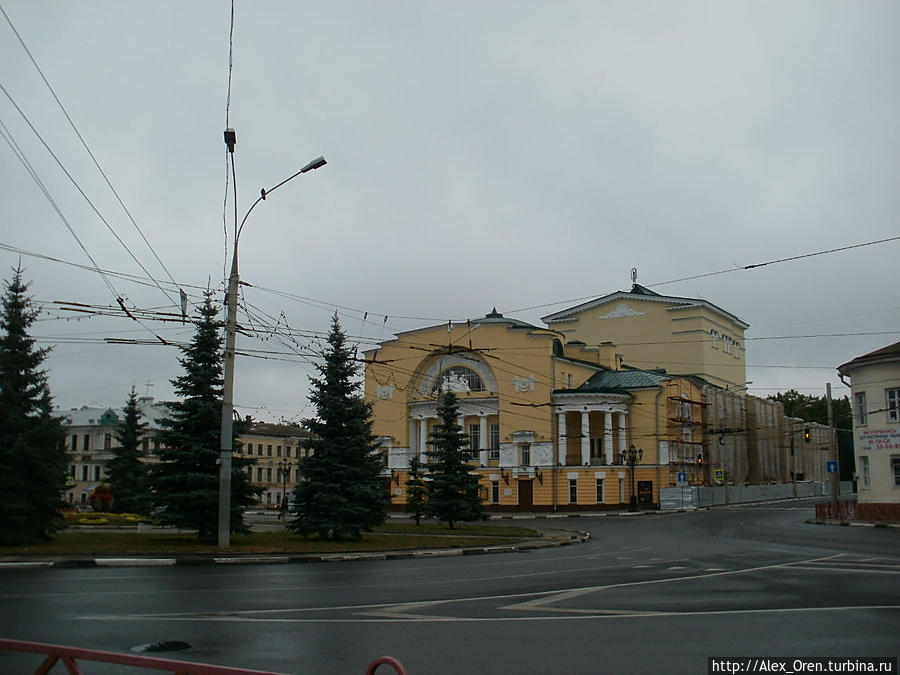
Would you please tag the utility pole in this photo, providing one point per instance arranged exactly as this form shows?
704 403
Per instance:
835 476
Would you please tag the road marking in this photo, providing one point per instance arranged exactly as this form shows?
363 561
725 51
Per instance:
576 615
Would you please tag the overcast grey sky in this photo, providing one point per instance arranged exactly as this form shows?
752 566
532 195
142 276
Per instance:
481 154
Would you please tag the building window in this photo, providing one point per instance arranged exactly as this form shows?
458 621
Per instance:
107 441
474 439
895 468
495 492
259 474
74 442
269 475
495 441
72 471
259 449
893 404
278 451
865 479
145 444
859 400
84 471
96 472
458 379
87 443
573 490
525 454
268 450
601 498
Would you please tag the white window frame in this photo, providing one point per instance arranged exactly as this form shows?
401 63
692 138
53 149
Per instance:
601 493
892 403
573 490
895 469
859 402
474 436
495 440
865 477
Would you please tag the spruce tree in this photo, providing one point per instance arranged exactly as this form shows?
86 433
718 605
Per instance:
453 491
126 471
186 480
341 492
33 460
416 492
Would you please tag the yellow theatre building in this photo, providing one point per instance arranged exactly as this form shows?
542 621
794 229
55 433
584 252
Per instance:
551 412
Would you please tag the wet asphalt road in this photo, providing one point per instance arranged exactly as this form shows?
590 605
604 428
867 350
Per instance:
647 594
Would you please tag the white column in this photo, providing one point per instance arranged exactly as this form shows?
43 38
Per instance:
483 440
413 441
623 441
423 439
563 439
607 436
585 437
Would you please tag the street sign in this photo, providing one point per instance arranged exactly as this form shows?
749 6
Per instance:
831 467
720 474
682 478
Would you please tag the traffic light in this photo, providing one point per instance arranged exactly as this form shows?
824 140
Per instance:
700 458
806 434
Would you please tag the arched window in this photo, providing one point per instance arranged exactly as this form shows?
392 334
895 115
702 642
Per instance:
458 379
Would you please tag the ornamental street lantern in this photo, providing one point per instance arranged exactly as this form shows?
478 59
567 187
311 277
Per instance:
632 456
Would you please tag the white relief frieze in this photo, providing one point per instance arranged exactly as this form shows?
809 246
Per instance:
524 384
622 311
385 392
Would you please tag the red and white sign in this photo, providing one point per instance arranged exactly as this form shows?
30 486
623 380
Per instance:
879 439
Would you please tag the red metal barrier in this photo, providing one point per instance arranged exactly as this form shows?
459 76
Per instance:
846 510
70 656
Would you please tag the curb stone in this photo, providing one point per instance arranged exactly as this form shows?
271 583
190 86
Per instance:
546 542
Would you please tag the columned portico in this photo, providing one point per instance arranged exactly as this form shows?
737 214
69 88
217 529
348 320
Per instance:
483 440
585 437
610 434
562 438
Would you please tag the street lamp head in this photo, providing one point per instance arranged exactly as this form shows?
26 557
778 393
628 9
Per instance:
317 163
230 139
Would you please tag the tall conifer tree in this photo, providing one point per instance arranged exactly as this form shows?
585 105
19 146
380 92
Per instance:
127 473
186 481
341 492
416 491
453 490
32 457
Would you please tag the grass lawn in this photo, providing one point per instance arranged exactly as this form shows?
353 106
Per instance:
390 537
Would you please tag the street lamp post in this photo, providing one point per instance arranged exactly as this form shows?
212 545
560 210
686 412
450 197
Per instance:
224 529
284 470
632 456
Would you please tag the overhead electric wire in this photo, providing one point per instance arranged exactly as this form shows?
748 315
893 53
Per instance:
725 271
84 143
78 187
20 155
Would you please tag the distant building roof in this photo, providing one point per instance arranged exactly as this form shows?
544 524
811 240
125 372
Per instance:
889 353
280 430
644 294
87 416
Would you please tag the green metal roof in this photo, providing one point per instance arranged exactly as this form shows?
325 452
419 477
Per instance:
623 380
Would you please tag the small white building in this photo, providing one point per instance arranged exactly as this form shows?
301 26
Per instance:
875 388
90 438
